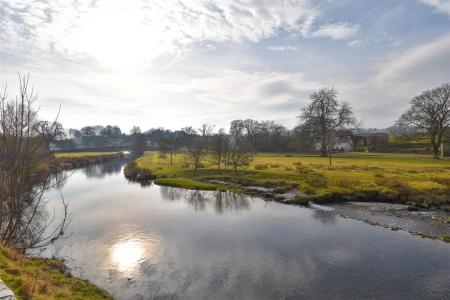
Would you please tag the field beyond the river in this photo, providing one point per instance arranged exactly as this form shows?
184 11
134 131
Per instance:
312 176
81 154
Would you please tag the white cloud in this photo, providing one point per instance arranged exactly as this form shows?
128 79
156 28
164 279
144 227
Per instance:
355 43
282 48
383 97
420 67
336 31
132 33
442 6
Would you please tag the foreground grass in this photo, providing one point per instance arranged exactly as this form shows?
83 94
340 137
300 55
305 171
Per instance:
37 278
81 154
312 175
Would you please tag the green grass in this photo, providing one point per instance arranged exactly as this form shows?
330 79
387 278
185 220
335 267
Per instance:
350 172
38 278
81 154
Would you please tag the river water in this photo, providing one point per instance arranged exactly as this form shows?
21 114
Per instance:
158 242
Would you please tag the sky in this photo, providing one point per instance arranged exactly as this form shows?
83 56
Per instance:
176 63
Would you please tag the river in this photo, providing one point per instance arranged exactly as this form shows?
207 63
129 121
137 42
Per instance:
153 242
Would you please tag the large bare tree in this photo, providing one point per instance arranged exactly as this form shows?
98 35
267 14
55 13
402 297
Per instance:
430 111
326 118
24 174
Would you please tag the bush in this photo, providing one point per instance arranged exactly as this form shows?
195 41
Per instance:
348 183
317 181
393 183
441 180
378 175
261 166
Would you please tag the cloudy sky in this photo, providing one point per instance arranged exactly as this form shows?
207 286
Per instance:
185 62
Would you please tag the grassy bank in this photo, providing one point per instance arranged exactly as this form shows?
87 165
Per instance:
358 176
82 154
38 278
71 160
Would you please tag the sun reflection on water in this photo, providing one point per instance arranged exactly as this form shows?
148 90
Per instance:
129 252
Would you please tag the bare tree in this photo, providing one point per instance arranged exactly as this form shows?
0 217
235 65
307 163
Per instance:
239 152
198 145
168 144
252 130
206 132
24 177
135 130
326 118
139 145
219 147
49 131
430 111
196 152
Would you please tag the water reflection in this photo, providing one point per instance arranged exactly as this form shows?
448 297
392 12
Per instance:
129 252
228 201
102 170
162 243
325 217
220 201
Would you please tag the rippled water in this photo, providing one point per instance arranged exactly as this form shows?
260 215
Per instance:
165 243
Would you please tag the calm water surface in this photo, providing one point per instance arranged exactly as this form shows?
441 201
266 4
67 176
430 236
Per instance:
165 243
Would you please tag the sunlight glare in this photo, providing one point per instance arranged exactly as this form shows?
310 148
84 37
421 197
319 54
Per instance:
126 255
119 37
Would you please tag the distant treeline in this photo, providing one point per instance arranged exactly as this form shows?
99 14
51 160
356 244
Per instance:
263 136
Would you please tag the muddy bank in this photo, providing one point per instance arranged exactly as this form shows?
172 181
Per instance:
430 223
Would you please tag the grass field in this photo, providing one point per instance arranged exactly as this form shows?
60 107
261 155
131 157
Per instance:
81 154
350 172
37 278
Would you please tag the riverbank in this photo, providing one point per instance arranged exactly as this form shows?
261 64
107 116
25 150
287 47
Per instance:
72 160
40 278
415 180
428 223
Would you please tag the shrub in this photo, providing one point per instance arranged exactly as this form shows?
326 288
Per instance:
441 180
348 183
378 175
317 181
261 166
393 183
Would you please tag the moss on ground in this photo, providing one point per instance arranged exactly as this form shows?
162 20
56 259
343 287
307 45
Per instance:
39 278
392 177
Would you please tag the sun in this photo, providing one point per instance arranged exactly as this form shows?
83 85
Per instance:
119 36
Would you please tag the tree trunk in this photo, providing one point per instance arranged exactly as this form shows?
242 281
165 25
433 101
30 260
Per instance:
323 147
436 141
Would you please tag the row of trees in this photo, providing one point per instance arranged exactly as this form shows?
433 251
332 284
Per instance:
325 119
227 150
323 122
